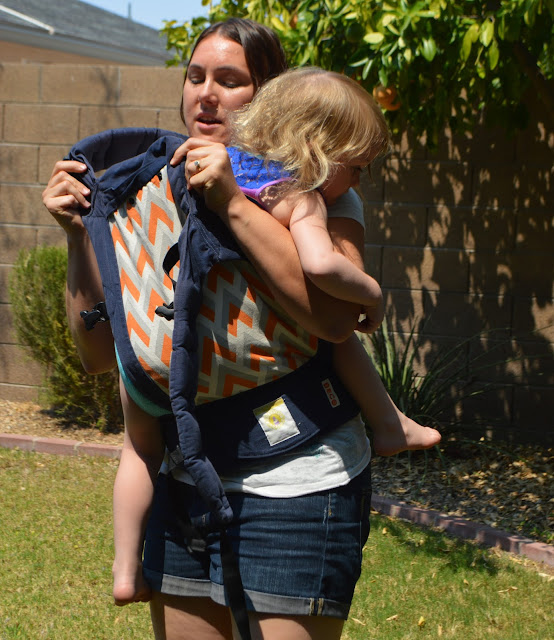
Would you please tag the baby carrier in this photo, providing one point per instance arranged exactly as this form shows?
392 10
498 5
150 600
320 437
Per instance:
261 422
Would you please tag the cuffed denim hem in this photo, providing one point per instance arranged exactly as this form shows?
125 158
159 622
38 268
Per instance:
255 601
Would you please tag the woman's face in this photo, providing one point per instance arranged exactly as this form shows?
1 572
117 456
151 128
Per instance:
218 82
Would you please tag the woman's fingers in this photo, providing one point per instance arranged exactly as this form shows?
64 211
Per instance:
189 145
65 193
68 166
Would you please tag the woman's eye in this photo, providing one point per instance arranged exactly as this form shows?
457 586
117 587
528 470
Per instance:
229 83
195 79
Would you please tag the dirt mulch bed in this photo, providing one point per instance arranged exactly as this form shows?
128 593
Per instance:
510 488
28 419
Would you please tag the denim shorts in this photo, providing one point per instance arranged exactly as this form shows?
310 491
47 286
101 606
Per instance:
296 556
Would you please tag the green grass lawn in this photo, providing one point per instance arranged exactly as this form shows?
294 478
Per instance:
56 552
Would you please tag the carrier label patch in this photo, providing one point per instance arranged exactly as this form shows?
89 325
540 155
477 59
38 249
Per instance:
276 421
330 392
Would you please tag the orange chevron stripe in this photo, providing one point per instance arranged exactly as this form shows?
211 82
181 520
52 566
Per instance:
236 315
209 348
289 353
133 325
218 271
166 351
157 214
144 259
232 381
156 300
117 237
167 282
202 389
169 193
174 268
155 181
126 281
257 354
273 321
256 283
207 312
154 374
134 216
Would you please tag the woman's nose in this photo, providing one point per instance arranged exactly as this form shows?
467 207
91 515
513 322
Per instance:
208 92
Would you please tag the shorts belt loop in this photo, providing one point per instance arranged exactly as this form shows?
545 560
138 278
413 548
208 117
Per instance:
320 604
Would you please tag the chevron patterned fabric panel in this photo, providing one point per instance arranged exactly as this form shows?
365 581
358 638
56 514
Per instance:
244 334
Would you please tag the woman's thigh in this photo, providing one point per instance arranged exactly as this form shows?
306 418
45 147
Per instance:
189 618
266 627
182 618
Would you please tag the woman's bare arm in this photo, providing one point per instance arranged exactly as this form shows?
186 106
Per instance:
268 245
65 197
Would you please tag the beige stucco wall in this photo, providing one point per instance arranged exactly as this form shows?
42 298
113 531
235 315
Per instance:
463 236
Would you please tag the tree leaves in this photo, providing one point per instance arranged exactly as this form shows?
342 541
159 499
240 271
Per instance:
447 60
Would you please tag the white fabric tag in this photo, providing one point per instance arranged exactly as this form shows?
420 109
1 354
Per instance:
276 421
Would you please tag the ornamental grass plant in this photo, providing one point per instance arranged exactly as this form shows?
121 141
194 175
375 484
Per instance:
451 377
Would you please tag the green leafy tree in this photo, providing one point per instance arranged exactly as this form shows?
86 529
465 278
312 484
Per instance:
432 63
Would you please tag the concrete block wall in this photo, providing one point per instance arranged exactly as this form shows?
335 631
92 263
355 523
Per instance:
462 236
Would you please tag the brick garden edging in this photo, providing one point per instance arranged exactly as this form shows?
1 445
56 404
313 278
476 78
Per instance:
466 529
59 446
453 525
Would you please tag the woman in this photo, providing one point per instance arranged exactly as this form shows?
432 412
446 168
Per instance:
228 64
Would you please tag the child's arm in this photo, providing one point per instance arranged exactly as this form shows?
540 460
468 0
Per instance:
327 268
141 457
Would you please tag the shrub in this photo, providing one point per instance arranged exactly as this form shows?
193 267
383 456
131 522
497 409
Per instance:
37 296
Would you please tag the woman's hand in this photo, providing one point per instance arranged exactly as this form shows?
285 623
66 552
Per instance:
208 171
65 197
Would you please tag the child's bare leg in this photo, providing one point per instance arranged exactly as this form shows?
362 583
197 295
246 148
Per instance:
141 457
393 431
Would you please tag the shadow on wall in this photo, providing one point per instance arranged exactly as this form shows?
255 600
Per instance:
462 238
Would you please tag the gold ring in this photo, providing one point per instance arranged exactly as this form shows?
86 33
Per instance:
197 165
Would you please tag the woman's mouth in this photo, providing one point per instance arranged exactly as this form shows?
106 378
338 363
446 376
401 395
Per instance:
207 120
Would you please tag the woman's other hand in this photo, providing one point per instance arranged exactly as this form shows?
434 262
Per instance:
208 171
65 197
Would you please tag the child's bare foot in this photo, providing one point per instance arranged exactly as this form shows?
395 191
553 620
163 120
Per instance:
130 587
404 435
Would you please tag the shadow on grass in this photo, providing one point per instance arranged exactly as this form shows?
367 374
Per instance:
454 554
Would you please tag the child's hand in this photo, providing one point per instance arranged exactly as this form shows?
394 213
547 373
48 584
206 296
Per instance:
208 171
371 317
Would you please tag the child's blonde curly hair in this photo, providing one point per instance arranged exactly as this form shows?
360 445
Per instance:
312 121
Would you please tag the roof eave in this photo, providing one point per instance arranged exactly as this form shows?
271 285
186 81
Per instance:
59 42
